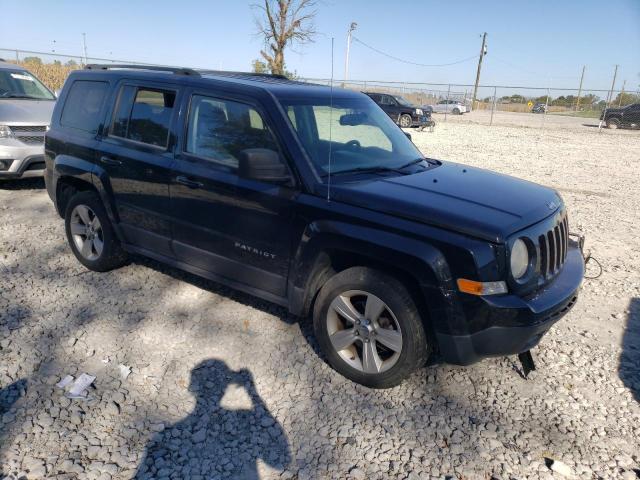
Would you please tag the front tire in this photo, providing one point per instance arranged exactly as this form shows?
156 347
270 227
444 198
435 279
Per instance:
90 234
369 328
456 111
405 120
613 123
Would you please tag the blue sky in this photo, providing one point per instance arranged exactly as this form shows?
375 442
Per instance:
529 43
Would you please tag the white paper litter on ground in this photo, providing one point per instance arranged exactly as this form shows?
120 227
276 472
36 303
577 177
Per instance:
65 381
78 389
125 371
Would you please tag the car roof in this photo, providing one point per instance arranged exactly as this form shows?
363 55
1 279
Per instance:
10 66
279 86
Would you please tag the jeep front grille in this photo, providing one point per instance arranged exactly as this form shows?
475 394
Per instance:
553 248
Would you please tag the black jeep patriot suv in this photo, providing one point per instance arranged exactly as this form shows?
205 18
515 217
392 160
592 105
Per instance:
313 199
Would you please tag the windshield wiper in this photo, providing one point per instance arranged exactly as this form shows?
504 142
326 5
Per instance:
417 160
377 169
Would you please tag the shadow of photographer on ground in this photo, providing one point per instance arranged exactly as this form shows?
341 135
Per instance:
215 441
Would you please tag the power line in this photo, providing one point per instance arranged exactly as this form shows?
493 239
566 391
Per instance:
408 61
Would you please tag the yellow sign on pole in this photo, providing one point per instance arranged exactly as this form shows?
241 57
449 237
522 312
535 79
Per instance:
530 104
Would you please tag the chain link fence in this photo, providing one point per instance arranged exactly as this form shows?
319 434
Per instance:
534 106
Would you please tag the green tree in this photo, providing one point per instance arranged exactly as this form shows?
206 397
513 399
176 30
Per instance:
625 98
36 60
258 66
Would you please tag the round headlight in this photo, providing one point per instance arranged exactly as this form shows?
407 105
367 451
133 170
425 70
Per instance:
419 111
519 259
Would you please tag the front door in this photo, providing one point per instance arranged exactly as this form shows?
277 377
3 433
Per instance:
235 228
136 156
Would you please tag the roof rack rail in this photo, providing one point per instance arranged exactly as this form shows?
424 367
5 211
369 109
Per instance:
231 73
155 68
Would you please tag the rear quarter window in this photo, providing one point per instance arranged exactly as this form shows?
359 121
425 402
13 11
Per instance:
144 115
83 105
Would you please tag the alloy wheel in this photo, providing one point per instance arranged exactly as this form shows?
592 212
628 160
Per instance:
86 231
364 331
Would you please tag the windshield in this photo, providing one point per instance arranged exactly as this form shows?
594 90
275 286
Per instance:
403 101
21 84
359 135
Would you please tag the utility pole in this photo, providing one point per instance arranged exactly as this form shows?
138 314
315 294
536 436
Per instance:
352 27
483 52
84 47
624 83
613 84
606 107
580 88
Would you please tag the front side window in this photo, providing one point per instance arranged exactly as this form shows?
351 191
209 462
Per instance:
219 130
144 115
356 133
21 84
403 101
83 105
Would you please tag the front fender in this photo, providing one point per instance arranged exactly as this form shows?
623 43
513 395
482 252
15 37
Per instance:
422 261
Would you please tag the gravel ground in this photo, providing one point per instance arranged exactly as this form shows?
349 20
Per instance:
226 386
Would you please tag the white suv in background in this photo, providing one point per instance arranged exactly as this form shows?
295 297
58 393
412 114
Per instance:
26 106
455 107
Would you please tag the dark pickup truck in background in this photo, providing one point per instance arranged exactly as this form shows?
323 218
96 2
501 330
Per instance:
401 111
628 116
311 198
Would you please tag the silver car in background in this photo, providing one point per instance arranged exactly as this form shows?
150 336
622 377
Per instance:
26 106
454 107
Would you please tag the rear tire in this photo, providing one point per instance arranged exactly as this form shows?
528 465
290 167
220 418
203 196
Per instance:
613 123
369 328
90 234
405 120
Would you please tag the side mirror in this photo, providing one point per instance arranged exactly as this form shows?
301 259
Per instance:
57 93
264 165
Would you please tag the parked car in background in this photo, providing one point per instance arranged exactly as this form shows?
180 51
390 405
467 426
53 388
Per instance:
628 116
539 108
245 179
455 107
401 111
26 106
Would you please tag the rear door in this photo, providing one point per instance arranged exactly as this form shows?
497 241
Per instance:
391 107
235 228
135 158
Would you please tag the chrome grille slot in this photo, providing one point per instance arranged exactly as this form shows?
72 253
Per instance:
31 139
552 248
28 128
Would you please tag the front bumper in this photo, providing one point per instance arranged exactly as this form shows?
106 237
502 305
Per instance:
421 121
21 161
517 324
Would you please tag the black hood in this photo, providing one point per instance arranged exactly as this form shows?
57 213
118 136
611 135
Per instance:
465 199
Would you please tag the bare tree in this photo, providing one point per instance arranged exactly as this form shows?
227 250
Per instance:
284 22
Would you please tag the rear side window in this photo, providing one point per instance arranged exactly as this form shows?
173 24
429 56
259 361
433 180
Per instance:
144 115
83 105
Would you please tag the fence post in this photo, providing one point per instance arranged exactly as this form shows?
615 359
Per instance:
446 107
493 106
17 57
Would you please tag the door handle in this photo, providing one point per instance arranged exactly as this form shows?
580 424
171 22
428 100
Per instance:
110 161
181 179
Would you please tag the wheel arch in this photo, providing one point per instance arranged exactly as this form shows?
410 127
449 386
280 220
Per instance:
330 247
